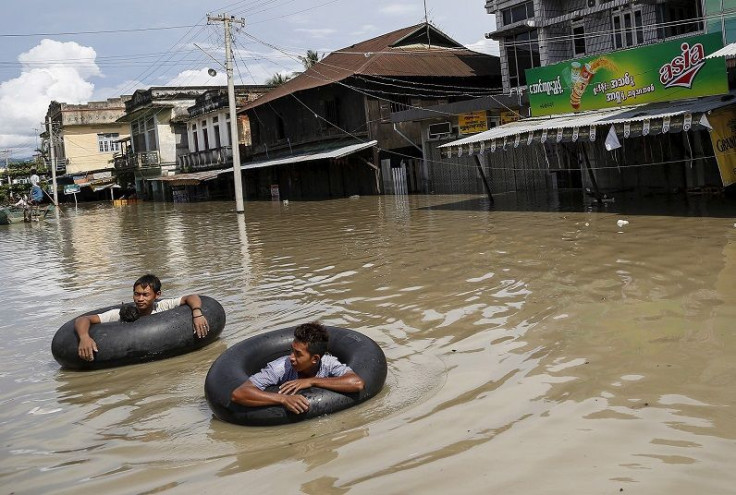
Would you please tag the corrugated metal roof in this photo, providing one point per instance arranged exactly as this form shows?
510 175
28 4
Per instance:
306 157
599 118
191 179
728 51
384 56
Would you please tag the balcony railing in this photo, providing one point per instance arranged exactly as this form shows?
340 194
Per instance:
199 160
143 160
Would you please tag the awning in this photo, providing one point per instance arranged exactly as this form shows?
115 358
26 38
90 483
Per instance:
728 51
191 179
307 157
571 127
103 187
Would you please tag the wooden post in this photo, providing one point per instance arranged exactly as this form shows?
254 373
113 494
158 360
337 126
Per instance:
486 184
596 192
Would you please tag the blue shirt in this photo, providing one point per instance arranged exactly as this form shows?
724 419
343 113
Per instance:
280 371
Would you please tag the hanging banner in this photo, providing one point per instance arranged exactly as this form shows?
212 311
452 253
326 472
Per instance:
669 71
723 135
472 123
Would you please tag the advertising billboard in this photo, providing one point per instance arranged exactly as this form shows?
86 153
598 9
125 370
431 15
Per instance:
668 71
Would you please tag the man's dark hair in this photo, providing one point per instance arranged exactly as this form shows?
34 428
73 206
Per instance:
128 313
148 280
314 335
33 171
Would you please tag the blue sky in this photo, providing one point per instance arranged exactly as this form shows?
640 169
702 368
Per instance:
77 51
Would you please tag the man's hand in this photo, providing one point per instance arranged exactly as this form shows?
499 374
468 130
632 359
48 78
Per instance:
293 386
297 404
87 348
201 326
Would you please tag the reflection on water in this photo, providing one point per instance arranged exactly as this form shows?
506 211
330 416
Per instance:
530 343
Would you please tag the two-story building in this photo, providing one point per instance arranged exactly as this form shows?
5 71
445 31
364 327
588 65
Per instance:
157 121
201 171
329 131
620 96
85 139
180 140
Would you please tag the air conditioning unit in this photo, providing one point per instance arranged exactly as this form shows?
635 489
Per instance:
439 130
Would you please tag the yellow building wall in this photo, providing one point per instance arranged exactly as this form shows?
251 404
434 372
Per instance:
82 150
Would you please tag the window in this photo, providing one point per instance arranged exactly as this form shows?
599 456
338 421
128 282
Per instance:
332 112
280 127
216 132
205 137
195 137
628 29
679 18
522 52
107 142
578 39
151 144
517 13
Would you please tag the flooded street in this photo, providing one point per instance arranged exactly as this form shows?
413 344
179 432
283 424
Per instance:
528 351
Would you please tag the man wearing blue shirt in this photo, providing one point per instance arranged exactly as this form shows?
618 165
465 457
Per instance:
306 366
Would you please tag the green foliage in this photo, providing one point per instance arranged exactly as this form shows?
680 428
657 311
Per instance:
311 58
278 79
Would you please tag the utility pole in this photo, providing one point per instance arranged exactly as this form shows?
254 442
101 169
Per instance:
234 141
7 154
53 160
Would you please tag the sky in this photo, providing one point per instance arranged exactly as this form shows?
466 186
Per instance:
77 51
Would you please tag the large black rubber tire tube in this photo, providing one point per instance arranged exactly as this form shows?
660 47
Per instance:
248 357
153 337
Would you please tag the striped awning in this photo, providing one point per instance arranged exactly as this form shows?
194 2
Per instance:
571 127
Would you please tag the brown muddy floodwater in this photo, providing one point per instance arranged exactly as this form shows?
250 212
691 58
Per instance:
549 352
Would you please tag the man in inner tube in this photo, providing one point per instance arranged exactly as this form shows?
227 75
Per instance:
146 294
306 366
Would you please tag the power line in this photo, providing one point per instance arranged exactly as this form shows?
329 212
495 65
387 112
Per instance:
104 31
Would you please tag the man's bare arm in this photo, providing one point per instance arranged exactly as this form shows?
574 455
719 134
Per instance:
249 395
87 345
347 384
200 325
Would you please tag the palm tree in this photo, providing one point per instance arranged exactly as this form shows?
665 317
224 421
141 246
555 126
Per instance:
311 58
278 79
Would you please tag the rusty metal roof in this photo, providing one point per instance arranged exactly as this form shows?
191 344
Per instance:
401 53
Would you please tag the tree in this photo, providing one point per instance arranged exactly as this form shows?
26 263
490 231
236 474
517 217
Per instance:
311 58
278 79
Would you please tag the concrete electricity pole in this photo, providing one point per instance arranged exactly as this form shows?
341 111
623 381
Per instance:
53 161
234 140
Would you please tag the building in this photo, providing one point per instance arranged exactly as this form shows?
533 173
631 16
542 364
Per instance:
329 131
621 97
538 33
86 138
157 124
200 168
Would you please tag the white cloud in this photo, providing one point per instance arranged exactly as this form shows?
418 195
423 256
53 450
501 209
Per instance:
51 70
199 77
364 29
486 46
398 9
316 33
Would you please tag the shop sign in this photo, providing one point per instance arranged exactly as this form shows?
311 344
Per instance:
71 188
723 136
472 123
669 71
507 116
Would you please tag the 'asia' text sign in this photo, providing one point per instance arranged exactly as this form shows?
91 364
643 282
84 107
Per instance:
669 71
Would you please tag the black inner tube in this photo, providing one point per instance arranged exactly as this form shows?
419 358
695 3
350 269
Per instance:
149 338
248 357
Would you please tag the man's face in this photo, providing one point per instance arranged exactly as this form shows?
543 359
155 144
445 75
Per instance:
300 358
143 297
